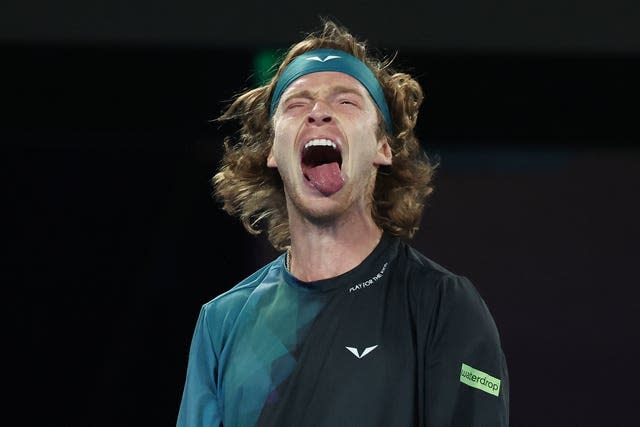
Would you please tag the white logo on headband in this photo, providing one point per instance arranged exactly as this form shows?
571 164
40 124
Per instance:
317 58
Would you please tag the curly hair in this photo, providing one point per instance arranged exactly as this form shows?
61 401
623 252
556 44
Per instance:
254 192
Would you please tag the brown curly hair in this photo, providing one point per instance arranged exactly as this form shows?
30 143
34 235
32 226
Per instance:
254 192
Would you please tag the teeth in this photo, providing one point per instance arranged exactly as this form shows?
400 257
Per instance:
320 143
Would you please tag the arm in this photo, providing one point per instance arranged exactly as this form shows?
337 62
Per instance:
466 382
199 407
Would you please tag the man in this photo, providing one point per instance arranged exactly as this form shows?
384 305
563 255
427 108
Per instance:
350 326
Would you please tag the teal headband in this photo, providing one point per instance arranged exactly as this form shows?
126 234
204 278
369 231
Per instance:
318 60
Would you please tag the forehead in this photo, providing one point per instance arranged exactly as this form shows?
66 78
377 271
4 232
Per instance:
325 81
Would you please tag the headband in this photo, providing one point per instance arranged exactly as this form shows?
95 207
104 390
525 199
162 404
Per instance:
318 60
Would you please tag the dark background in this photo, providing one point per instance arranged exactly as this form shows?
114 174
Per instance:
114 242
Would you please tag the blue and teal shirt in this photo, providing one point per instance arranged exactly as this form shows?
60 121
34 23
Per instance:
397 341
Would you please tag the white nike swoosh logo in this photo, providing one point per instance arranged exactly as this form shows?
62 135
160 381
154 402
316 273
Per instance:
327 58
364 353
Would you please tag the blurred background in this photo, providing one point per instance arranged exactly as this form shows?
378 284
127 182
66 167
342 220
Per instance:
114 241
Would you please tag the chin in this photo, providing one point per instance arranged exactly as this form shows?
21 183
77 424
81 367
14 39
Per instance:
318 209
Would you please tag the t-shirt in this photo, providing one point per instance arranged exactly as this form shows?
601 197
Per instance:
397 341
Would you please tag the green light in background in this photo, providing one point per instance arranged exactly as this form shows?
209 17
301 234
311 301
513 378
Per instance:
264 65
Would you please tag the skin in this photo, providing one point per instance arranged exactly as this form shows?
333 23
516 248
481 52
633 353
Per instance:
330 235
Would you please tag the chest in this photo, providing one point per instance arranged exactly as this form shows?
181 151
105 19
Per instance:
349 353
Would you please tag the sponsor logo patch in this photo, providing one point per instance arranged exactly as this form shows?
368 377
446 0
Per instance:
481 380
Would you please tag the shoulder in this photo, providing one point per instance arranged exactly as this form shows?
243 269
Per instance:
419 264
425 274
439 291
224 309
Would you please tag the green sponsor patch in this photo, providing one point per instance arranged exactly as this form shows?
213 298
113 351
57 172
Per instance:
480 380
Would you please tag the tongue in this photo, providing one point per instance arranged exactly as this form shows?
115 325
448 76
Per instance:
326 178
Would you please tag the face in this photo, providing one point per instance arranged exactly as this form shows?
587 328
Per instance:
325 146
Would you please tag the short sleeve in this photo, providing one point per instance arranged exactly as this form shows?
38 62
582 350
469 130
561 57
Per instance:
199 406
466 377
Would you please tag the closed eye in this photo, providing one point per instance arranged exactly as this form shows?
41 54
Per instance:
348 102
295 105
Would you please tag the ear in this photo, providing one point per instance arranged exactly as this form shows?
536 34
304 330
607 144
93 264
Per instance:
384 155
271 160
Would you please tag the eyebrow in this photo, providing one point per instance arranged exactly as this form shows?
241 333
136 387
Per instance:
336 90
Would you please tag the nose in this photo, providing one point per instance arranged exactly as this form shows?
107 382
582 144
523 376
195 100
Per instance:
319 115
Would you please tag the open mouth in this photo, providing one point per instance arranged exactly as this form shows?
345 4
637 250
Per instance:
321 164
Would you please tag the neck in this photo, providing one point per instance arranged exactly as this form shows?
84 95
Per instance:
322 251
